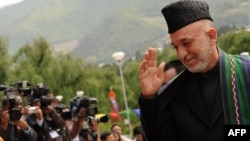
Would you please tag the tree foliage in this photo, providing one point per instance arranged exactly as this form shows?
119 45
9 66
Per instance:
235 42
5 60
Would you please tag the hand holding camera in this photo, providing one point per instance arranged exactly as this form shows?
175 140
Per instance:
32 110
5 118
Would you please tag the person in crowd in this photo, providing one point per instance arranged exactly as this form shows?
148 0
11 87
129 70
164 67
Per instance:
13 126
75 125
117 136
117 128
139 134
171 69
210 93
80 107
94 128
85 135
107 136
46 121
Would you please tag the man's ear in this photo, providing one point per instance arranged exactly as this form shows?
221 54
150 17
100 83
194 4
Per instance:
212 34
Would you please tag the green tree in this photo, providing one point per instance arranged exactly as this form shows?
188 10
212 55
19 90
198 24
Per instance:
235 42
32 62
168 53
5 61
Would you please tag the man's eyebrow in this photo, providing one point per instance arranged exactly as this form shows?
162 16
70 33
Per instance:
187 39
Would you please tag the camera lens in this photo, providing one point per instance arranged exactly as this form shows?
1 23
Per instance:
15 114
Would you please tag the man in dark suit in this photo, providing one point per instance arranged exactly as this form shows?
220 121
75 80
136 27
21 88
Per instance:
209 94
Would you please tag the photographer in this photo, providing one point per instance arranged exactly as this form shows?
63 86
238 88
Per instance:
13 125
94 128
45 120
81 107
74 125
93 124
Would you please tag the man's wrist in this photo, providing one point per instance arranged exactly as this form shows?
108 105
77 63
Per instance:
27 131
148 96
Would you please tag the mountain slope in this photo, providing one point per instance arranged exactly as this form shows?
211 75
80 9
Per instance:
95 29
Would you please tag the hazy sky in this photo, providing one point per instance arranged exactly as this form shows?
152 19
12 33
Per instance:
4 3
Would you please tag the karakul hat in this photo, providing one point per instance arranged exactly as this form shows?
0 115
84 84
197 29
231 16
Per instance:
182 13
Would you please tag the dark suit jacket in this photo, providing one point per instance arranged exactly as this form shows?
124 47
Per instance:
179 114
18 135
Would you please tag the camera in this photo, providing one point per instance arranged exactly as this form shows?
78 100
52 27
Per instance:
102 119
86 102
15 113
32 110
40 92
64 111
3 87
22 87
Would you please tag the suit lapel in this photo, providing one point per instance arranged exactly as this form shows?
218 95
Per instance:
185 84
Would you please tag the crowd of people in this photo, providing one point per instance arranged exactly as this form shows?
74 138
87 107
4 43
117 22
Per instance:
41 119
45 118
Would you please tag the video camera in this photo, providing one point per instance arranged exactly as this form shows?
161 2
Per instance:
102 119
40 92
22 87
86 102
64 111
11 97
75 104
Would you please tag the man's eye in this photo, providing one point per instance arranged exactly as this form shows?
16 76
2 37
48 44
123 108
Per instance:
186 44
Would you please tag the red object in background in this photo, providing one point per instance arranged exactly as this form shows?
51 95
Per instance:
115 117
112 98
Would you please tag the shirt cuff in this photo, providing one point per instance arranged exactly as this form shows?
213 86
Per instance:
39 122
27 131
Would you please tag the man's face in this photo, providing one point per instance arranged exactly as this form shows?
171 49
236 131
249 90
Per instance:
15 101
192 45
36 102
117 129
19 103
138 137
111 137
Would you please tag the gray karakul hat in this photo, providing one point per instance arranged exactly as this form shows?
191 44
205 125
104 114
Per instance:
182 13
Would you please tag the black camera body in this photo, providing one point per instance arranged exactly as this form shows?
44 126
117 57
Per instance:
40 92
86 102
15 113
64 111
23 87
102 119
